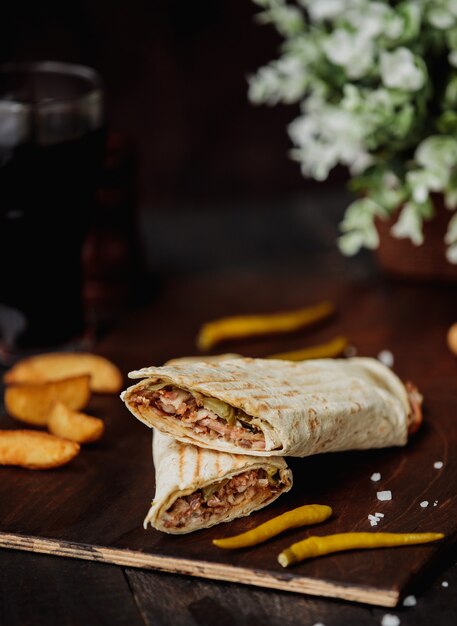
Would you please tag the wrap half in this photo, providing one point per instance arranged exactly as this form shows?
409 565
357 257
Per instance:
198 488
267 407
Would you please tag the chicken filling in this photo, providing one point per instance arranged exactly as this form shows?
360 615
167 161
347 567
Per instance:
207 417
217 500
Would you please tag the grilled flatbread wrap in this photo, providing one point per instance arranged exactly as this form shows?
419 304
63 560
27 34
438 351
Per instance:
267 407
198 488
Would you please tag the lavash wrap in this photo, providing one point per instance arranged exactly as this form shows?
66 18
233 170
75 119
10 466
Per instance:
182 469
303 408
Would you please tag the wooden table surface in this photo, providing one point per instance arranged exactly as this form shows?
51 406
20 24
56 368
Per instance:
39 589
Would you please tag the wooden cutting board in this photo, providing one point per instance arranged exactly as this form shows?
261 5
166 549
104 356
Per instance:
94 507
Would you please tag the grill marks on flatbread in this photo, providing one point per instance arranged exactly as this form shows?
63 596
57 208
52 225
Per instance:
197 488
299 408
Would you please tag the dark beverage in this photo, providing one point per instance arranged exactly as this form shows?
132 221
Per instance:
48 179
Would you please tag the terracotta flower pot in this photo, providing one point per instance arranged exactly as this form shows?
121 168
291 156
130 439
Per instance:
400 257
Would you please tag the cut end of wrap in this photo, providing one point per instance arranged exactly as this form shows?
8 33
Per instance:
415 416
148 518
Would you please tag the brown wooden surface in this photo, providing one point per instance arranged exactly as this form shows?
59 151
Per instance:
100 499
165 599
37 589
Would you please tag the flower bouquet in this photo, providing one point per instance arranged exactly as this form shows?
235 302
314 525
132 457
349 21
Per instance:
377 87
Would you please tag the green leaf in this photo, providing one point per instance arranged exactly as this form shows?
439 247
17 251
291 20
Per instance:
447 123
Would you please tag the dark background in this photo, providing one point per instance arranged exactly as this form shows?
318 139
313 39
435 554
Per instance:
175 77
209 177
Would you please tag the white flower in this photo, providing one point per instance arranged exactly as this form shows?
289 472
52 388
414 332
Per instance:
370 19
351 243
320 10
325 136
451 254
394 27
437 152
391 180
287 19
360 214
450 199
409 225
317 156
306 49
293 78
444 16
422 182
451 240
265 86
352 51
358 226
283 80
437 158
361 161
399 70
451 233
451 6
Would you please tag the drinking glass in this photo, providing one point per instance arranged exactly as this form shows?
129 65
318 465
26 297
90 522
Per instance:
51 147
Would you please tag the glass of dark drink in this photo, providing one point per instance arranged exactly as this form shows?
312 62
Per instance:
51 148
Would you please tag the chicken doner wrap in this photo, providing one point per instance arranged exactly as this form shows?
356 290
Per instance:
266 407
198 488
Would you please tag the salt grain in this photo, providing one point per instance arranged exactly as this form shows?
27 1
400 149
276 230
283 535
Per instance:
379 514
376 477
410 601
438 464
386 357
390 620
384 495
373 523
445 583
435 503
424 504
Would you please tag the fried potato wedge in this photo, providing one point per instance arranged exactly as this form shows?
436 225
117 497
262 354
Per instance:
105 376
70 424
35 450
32 402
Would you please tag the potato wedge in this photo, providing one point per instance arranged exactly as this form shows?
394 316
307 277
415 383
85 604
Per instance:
70 424
105 376
32 402
452 338
35 450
